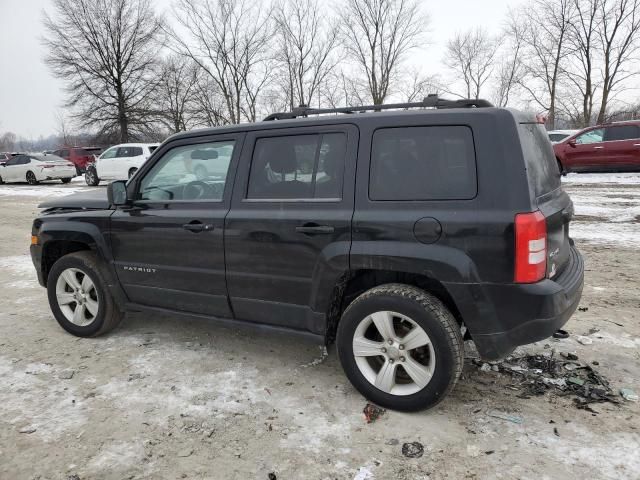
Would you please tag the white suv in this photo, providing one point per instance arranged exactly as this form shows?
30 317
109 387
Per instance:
119 162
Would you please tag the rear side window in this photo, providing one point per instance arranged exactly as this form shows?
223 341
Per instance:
540 161
298 167
129 152
423 163
622 132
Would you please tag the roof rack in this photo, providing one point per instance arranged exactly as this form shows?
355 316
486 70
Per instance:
431 101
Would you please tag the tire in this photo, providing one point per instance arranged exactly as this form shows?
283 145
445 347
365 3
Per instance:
132 172
442 357
560 167
91 177
65 180
31 178
201 172
99 313
1 181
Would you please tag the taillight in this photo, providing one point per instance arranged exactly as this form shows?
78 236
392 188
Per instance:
48 166
531 247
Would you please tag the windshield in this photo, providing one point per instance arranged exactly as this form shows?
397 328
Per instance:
48 158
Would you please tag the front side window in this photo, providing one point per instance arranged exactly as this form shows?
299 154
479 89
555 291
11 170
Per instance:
622 132
188 173
298 167
592 136
423 163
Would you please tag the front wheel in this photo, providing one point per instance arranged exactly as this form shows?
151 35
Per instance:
31 178
400 347
91 177
79 297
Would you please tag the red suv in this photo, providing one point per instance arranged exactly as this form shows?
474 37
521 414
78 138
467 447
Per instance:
79 156
611 147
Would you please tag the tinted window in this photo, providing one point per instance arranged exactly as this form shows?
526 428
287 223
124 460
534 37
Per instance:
556 137
129 152
64 153
192 172
623 132
542 168
592 136
111 153
13 161
300 166
423 163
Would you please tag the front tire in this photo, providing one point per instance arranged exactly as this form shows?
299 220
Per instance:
91 177
79 297
400 347
31 178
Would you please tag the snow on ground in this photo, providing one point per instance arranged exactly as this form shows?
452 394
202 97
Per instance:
607 207
42 191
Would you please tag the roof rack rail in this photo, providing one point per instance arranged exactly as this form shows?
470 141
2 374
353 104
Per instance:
431 101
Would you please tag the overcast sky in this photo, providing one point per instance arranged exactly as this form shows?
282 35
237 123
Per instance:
30 96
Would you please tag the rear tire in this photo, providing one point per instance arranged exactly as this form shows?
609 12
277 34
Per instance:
431 353
65 180
31 178
560 167
79 297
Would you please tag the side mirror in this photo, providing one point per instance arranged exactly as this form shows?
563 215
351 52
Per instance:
117 193
572 143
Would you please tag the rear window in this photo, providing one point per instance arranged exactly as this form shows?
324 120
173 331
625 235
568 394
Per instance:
542 168
622 132
556 137
423 163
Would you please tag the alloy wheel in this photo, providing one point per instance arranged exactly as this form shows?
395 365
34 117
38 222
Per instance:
393 353
77 297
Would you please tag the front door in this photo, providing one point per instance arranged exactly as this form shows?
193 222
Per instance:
589 151
168 245
288 233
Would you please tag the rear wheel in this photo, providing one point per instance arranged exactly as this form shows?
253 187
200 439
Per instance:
65 180
31 178
91 177
400 347
132 172
79 297
1 180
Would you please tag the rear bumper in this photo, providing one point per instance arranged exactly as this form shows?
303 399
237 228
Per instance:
502 317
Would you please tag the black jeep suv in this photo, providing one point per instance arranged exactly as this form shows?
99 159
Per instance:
396 231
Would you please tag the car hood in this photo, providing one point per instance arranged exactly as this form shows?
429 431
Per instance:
93 200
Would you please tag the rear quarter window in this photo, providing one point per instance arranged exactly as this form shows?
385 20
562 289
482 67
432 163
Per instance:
423 163
540 161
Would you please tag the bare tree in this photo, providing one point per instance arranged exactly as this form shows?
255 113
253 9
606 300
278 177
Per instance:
209 106
176 91
63 129
417 86
619 32
377 35
471 54
229 40
105 51
585 41
340 89
510 71
544 26
306 40
8 142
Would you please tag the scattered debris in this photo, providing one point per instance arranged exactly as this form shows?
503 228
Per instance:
73 477
412 450
66 374
392 441
272 476
372 412
505 416
27 430
583 309
485 367
556 432
185 453
267 390
584 340
489 452
323 356
629 395
562 334
134 376
561 375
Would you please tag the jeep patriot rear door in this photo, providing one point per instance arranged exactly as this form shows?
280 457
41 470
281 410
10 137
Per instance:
288 233
168 246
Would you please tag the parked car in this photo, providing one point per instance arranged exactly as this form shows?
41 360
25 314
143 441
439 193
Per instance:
119 162
558 135
79 156
388 232
611 147
36 168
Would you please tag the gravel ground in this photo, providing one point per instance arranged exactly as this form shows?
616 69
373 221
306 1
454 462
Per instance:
166 398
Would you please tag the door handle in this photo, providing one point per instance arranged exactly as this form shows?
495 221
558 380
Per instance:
636 144
315 229
197 227
598 148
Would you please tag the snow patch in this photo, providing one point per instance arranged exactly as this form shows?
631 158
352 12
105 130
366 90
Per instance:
597 178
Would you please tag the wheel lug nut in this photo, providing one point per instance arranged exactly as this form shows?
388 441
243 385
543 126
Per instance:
384 350
401 347
390 342
402 359
391 360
